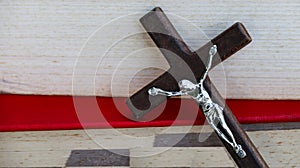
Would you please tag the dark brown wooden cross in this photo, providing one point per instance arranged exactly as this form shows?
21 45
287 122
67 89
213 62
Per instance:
179 55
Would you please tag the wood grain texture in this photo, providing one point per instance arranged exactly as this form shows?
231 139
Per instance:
280 148
41 42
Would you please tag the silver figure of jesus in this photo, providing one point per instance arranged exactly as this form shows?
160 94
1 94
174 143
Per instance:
212 111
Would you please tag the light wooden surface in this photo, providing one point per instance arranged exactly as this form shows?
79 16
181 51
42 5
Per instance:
41 42
280 148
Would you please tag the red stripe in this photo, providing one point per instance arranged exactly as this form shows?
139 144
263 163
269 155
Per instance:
27 112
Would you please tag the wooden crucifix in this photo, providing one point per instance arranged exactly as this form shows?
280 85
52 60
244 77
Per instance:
169 42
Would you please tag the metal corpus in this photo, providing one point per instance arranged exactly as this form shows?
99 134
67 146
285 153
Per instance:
228 42
212 111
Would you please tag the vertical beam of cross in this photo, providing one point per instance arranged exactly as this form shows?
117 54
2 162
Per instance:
169 41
